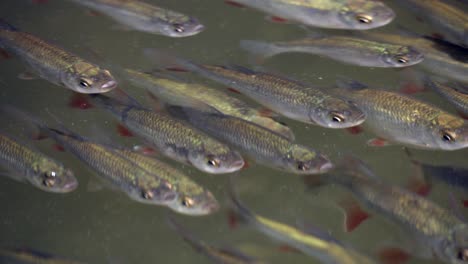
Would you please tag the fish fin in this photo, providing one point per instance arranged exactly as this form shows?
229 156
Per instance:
465 203
260 49
246 164
6 26
169 60
417 182
463 115
352 164
13 175
285 248
393 255
411 87
277 19
5 55
355 130
145 150
234 4
354 214
80 101
58 147
123 131
347 83
266 112
378 142
232 90
233 219
27 76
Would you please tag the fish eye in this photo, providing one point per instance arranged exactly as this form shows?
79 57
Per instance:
337 118
84 83
463 254
447 137
178 28
212 162
302 166
147 194
402 59
48 182
187 202
364 19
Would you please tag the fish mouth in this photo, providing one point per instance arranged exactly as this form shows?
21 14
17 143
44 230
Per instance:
325 167
109 85
70 186
238 164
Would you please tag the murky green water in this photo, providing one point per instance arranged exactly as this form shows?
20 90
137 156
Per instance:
107 227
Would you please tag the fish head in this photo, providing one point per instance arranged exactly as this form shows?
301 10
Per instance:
88 78
454 249
337 113
450 132
217 161
52 177
402 56
162 193
303 160
362 15
203 203
181 26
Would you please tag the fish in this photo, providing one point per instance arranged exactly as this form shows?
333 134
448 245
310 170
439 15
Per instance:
176 91
192 199
447 19
142 16
452 175
347 49
316 244
337 14
285 96
174 138
404 120
215 254
263 145
28 256
438 232
440 57
458 97
54 64
29 165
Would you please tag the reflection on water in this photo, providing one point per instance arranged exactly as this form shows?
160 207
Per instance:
106 227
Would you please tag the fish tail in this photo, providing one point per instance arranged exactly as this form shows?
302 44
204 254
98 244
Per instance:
6 26
261 49
170 61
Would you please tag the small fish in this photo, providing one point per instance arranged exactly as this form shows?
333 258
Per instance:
288 97
351 50
438 233
318 245
450 21
175 91
142 16
338 14
451 175
263 145
174 138
27 256
458 97
55 64
440 58
215 254
405 120
26 164
192 199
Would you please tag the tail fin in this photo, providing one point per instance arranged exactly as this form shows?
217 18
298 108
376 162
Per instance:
6 26
168 60
260 49
237 205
